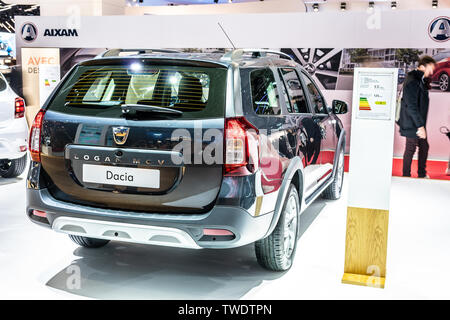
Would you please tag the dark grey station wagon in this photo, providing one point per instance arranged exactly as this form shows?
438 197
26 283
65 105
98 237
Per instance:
186 150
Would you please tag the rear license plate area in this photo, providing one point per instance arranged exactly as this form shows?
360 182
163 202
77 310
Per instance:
121 176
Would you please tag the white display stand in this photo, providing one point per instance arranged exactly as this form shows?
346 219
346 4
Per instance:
370 171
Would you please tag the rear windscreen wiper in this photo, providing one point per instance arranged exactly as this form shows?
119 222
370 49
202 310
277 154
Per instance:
128 109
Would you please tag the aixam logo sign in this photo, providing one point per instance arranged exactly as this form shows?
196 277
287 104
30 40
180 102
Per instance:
29 32
60 33
439 29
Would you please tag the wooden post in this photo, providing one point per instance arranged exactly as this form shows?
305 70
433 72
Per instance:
370 170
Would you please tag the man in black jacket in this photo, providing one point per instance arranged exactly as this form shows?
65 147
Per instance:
413 115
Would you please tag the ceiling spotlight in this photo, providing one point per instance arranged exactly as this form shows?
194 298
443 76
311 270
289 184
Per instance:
316 7
394 5
343 6
434 4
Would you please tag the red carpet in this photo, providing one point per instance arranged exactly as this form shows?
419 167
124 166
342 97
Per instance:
435 169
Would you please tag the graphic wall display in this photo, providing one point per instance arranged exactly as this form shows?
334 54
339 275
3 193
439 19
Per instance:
32 61
337 67
322 64
341 65
332 68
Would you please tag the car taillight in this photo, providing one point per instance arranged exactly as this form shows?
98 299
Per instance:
241 147
19 108
35 136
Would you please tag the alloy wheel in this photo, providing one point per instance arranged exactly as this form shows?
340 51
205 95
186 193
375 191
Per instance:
290 226
443 82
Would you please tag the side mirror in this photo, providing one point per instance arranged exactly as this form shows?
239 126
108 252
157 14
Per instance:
339 107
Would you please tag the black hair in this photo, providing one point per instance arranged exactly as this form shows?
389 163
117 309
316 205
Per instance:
424 60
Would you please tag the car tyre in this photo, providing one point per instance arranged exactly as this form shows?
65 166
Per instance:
276 252
333 191
13 168
88 242
444 82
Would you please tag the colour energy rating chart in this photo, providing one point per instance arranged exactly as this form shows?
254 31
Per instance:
375 92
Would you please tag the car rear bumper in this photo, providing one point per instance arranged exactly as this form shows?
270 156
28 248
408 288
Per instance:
177 230
12 138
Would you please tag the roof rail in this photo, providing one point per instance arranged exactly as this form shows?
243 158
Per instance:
117 52
237 54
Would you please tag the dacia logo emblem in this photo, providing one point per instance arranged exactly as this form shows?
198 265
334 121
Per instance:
29 32
439 29
120 134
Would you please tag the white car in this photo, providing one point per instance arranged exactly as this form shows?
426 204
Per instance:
13 132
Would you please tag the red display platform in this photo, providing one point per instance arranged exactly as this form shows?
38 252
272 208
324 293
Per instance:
435 169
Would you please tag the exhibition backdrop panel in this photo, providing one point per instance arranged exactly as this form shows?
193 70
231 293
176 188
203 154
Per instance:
376 37
377 29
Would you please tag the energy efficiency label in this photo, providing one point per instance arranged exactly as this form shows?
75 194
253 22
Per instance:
375 95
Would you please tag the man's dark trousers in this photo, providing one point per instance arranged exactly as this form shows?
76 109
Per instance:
410 149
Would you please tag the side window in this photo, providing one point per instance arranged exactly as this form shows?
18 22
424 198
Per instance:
296 97
317 100
264 92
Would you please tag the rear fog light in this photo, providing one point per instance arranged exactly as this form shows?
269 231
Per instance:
40 213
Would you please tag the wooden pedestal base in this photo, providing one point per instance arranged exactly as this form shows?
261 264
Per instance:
366 247
363 280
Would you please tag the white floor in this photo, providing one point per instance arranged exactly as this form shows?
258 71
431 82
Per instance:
36 263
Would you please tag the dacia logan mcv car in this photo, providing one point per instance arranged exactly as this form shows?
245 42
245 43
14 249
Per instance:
185 150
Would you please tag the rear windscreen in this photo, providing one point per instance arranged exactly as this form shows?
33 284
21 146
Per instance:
101 90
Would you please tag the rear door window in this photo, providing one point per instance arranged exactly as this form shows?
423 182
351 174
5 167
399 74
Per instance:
296 101
264 92
317 100
101 90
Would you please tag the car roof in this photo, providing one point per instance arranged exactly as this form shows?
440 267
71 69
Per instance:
217 59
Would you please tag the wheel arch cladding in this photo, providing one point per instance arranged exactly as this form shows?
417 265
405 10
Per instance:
294 174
